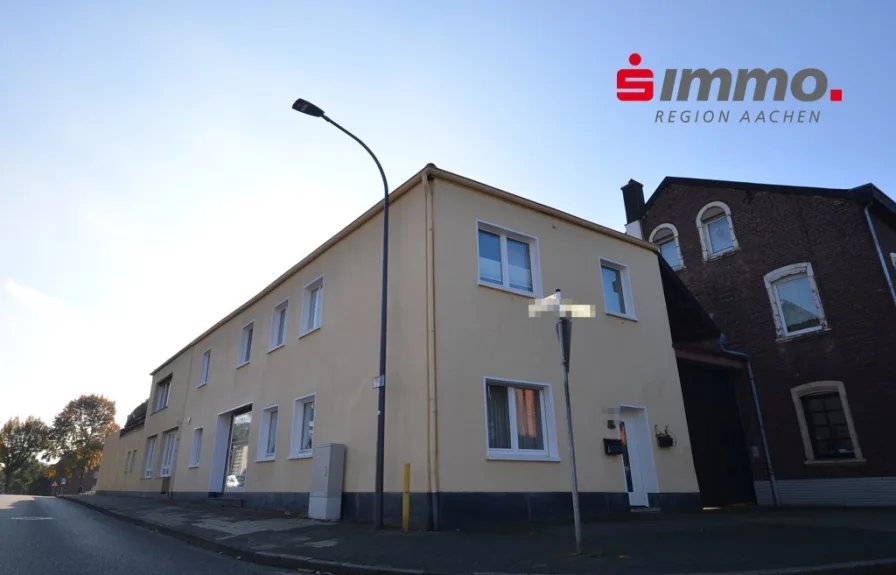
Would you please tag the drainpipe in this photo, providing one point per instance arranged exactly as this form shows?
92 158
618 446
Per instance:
755 394
432 416
880 253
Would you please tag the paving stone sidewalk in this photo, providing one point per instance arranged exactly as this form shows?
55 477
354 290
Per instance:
722 541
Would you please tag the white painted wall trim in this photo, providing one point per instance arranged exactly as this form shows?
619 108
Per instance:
778 313
853 491
708 254
800 391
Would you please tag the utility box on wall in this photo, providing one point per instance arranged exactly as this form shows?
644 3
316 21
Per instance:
325 499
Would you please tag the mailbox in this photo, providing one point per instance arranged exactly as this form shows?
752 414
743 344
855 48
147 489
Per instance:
613 446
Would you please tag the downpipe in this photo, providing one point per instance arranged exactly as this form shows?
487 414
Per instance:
762 434
880 253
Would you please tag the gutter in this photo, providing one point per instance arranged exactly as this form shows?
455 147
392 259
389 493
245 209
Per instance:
768 458
880 253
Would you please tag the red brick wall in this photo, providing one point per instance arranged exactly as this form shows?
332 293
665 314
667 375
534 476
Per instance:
774 230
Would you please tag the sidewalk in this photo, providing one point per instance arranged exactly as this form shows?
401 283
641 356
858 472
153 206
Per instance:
708 542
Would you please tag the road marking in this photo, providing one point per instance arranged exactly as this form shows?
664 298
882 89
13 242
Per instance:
30 518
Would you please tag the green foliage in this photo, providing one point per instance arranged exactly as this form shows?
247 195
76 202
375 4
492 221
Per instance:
78 434
20 442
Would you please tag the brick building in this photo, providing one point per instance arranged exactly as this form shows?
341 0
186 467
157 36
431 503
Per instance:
801 280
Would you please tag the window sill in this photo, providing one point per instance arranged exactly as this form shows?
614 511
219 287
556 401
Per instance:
193 466
309 332
510 290
266 458
492 456
160 409
834 462
622 316
802 335
202 384
301 455
276 347
244 364
717 255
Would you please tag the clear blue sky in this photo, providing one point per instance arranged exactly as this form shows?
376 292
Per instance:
153 176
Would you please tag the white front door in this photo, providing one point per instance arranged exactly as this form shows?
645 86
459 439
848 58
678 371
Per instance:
637 455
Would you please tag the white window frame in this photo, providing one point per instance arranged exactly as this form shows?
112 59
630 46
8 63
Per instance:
149 459
819 387
549 424
205 364
305 328
534 259
893 258
282 307
703 231
674 230
169 453
265 430
246 344
196 448
802 268
158 402
298 424
627 296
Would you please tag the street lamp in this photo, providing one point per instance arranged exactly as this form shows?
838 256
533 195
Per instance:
310 109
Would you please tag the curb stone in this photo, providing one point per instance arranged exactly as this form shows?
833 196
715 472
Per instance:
324 566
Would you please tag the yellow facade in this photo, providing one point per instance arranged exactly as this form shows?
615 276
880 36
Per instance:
447 334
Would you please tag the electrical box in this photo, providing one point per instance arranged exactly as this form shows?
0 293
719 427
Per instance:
612 446
325 498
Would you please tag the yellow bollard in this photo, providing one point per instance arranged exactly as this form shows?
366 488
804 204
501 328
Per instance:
406 499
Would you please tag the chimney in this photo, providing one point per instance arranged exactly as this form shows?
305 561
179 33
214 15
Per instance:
633 197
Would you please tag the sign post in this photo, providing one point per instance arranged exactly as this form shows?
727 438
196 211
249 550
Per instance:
564 334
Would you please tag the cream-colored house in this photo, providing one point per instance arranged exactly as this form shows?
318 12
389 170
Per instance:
475 398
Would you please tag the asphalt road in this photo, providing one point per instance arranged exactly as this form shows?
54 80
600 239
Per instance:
45 535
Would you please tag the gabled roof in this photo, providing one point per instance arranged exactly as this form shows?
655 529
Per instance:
865 194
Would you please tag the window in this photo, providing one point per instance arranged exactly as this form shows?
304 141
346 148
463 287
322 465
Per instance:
796 305
893 258
129 461
617 289
826 424
246 344
267 438
196 448
278 325
203 369
313 306
508 260
302 427
666 237
519 421
162 390
169 447
150 457
716 230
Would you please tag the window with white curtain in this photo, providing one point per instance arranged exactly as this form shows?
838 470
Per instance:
519 420
169 448
267 438
196 447
666 237
796 304
149 462
302 427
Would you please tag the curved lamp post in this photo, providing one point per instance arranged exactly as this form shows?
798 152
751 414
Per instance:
310 109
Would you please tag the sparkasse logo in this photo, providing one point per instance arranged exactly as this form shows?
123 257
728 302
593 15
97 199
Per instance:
637 85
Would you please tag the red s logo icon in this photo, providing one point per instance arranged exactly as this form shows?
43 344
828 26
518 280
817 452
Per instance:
634 85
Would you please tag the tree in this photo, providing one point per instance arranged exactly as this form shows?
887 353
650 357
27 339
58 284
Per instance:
20 441
79 431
